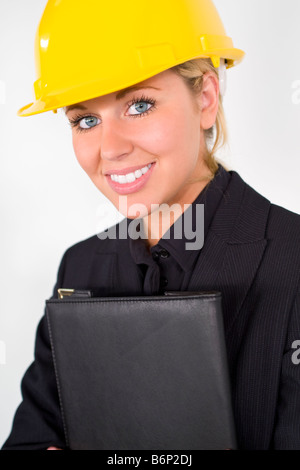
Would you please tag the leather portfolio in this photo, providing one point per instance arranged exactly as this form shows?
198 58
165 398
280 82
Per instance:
142 373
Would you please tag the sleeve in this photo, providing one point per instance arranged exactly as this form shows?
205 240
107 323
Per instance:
287 428
37 422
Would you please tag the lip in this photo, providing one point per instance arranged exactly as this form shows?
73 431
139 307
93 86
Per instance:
129 188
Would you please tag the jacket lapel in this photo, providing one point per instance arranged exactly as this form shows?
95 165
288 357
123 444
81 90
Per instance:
234 247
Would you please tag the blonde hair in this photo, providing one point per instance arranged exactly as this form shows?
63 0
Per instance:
192 72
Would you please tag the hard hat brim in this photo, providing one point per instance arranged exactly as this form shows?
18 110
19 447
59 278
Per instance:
65 98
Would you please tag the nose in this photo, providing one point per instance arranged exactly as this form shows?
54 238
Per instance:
115 142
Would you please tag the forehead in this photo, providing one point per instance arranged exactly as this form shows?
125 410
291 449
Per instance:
161 82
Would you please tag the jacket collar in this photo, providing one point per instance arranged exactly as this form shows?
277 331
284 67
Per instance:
233 247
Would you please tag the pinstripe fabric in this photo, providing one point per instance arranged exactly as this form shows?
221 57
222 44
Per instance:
252 255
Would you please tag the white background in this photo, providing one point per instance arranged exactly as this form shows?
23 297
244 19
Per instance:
48 203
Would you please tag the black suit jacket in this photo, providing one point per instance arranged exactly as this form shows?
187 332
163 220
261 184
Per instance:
252 255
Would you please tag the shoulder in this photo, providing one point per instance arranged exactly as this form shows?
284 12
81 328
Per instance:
105 242
280 222
283 223
88 263
99 249
274 227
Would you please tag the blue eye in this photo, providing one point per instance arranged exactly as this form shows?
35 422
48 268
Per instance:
141 106
88 122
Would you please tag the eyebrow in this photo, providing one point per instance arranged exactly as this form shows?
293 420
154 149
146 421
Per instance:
75 106
119 96
124 92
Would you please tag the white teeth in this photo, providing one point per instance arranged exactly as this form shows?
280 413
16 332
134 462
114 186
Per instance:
130 177
138 173
122 179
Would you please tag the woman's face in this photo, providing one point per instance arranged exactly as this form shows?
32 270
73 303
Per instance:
144 143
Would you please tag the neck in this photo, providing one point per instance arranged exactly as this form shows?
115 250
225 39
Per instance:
158 222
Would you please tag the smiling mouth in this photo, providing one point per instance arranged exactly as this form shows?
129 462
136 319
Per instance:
130 177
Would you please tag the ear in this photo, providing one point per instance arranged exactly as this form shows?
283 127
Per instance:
209 100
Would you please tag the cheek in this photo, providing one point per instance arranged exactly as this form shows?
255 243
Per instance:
174 139
159 137
150 136
86 149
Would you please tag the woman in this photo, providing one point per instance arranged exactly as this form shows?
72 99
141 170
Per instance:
146 116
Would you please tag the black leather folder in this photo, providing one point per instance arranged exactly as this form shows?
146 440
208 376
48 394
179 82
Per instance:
142 373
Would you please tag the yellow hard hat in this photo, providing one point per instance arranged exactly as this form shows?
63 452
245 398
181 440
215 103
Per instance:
88 49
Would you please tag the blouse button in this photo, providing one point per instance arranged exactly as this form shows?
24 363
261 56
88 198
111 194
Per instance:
164 254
